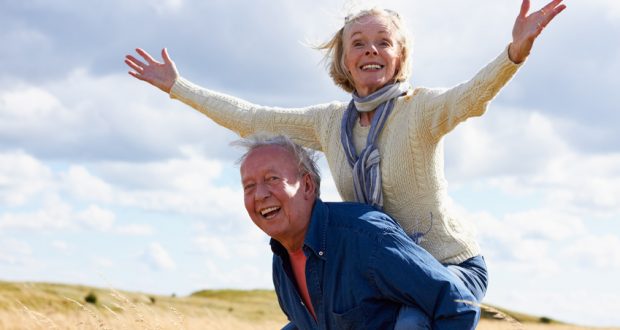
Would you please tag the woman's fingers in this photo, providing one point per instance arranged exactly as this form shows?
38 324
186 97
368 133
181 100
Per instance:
147 57
551 10
158 74
525 7
134 63
165 56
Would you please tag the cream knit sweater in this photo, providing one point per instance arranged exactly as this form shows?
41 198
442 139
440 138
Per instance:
412 163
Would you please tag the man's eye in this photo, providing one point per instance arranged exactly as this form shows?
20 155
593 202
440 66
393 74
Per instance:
272 179
248 187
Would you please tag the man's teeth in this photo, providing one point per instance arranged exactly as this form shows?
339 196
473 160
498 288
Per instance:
268 210
371 67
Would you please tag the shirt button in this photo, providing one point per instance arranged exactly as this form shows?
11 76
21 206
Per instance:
321 253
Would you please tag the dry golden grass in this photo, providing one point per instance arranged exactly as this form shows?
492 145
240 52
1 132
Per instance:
54 306
501 325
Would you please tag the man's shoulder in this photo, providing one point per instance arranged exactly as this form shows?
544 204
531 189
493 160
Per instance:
359 216
349 207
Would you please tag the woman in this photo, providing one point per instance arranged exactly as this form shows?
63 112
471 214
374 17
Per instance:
387 123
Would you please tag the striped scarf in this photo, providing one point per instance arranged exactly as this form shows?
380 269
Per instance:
366 171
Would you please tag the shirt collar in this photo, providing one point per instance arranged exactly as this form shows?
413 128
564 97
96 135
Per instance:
316 235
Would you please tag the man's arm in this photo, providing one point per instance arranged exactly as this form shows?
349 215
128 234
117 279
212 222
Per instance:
406 273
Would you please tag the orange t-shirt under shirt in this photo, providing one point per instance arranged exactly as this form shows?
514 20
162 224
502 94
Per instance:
298 262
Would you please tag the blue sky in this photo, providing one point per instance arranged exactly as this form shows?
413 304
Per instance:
106 181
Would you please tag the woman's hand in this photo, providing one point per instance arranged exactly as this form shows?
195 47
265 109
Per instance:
528 27
160 75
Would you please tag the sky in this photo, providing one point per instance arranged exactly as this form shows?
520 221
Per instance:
106 181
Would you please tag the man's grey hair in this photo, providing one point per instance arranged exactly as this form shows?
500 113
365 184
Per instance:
306 158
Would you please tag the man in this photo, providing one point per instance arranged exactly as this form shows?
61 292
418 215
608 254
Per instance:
341 265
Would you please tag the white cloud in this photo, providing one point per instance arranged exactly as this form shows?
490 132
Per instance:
329 192
238 256
156 257
602 252
610 7
246 242
588 183
22 177
510 247
55 214
523 153
541 262
188 172
546 224
103 263
133 125
212 245
165 6
96 218
23 40
505 141
185 186
62 246
254 273
23 103
83 185
135 230
12 251
571 304
27 111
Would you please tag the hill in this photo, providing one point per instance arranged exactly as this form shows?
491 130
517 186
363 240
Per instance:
60 306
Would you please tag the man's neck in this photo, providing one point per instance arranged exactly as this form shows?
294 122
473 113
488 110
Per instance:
293 245
293 242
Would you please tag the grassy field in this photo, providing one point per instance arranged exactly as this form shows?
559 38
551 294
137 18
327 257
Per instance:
57 306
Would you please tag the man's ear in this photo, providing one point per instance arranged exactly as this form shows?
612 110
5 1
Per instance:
309 186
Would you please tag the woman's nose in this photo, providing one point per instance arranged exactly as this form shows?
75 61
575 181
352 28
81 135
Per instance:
372 50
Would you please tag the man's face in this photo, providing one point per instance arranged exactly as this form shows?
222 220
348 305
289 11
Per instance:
278 199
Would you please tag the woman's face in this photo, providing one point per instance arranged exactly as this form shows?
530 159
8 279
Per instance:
371 53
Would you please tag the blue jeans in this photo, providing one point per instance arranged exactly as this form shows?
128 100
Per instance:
472 272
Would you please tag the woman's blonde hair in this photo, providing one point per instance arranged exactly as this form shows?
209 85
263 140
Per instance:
334 49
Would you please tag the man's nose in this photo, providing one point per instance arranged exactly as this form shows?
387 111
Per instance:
262 191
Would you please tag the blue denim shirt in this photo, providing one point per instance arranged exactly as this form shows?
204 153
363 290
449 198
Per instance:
361 268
